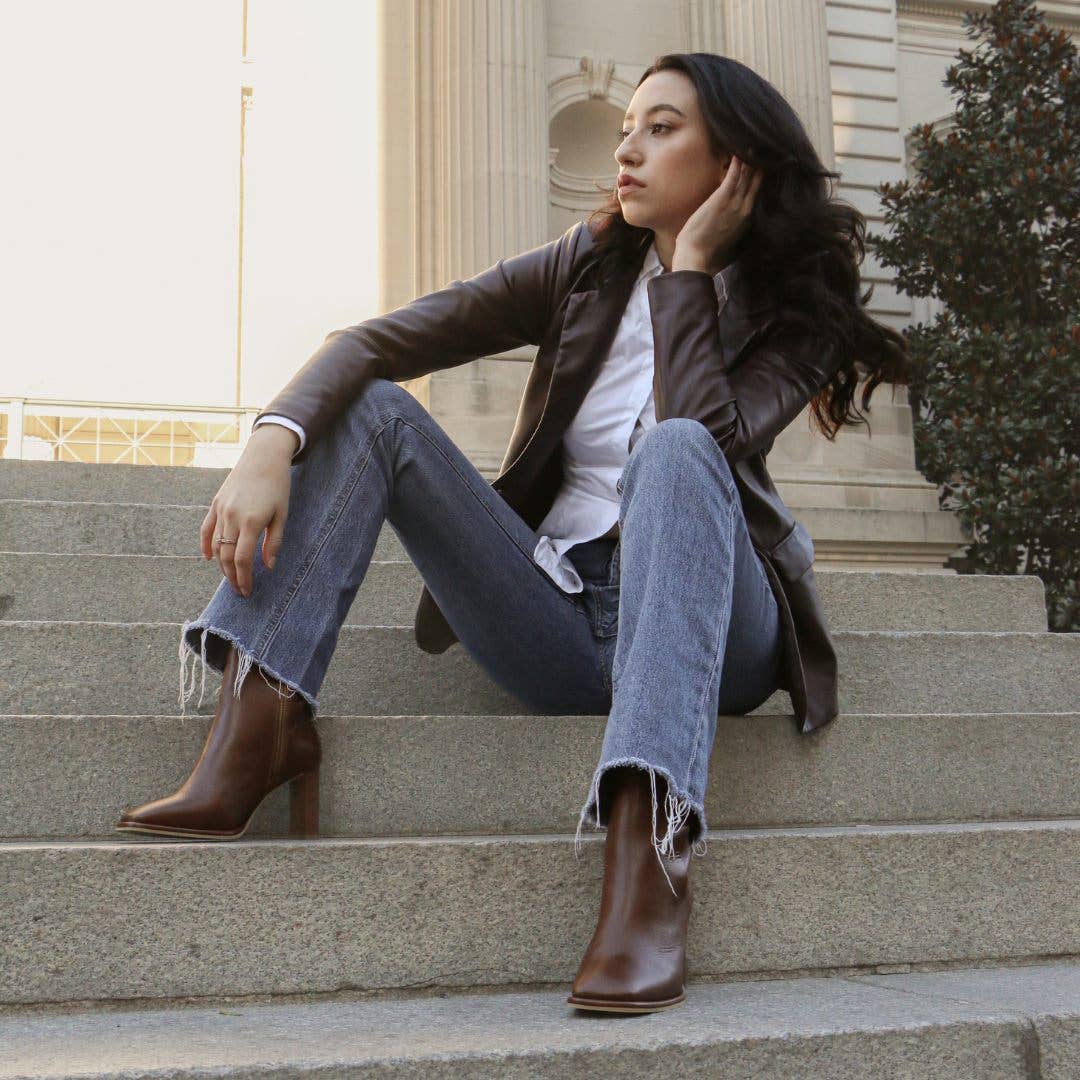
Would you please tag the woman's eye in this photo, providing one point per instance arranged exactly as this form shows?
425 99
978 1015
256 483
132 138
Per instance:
624 134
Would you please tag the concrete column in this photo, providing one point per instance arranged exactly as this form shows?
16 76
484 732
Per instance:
466 177
786 42
706 26
483 134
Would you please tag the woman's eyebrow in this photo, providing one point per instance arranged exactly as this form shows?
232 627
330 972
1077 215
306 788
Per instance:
657 108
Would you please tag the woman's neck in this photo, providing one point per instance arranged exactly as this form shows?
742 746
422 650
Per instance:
665 249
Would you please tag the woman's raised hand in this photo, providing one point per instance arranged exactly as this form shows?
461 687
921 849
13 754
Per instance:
254 496
711 233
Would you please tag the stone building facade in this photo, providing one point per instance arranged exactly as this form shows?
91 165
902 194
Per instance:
510 105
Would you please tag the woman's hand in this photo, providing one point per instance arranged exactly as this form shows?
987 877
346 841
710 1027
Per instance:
254 496
708 239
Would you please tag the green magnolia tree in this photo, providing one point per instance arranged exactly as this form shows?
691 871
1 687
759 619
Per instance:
991 228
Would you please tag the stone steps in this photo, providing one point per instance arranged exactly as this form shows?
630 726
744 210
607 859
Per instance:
1009 1023
435 926
76 481
155 588
974 767
107 528
133 669
121 919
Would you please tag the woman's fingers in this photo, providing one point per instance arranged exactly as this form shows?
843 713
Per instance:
746 179
242 559
273 538
226 553
206 533
748 189
255 494
759 175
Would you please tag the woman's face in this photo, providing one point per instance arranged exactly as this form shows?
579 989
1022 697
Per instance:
668 152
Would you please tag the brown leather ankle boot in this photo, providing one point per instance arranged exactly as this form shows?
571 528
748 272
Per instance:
636 961
258 740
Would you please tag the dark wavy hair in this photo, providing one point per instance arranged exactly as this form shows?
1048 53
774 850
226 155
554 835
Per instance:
801 253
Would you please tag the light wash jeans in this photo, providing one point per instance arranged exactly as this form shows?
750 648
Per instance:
677 622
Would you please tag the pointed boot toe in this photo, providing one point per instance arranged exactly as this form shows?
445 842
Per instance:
621 982
181 817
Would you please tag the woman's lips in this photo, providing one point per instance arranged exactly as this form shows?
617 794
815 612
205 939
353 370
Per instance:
630 185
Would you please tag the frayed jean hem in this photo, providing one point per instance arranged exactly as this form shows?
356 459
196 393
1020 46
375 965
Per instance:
676 810
187 654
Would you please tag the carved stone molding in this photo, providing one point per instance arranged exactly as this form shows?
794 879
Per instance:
939 127
595 80
1060 16
582 84
597 75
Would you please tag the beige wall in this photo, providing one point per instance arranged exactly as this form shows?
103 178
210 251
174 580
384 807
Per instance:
121 194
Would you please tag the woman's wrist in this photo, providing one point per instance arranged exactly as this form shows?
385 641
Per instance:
277 438
688 260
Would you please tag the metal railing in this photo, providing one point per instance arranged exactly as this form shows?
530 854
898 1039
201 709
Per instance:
53 429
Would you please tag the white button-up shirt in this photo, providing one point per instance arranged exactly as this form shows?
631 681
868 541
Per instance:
618 409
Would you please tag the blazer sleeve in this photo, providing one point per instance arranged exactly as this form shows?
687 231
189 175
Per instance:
744 408
508 305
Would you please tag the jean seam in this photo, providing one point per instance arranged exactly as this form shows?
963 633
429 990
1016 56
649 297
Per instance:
599 653
716 661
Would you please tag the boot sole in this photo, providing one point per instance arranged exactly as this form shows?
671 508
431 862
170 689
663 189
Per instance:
180 833
624 1006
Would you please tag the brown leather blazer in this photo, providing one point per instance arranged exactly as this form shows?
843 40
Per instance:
722 369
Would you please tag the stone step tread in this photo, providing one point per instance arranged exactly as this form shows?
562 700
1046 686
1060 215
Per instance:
140 847
151 847
159 506
112 528
1024 766
42 586
77 479
170 528
1020 635
381 670
84 920
123 919
919 1024
121 480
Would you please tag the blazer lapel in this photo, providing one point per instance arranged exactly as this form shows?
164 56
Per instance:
589 325
592 319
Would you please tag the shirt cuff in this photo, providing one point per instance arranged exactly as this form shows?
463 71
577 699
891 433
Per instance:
292 425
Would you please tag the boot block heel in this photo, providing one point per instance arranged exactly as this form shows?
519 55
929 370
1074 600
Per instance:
304 804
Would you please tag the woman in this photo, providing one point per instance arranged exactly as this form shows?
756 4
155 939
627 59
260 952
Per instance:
632 557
